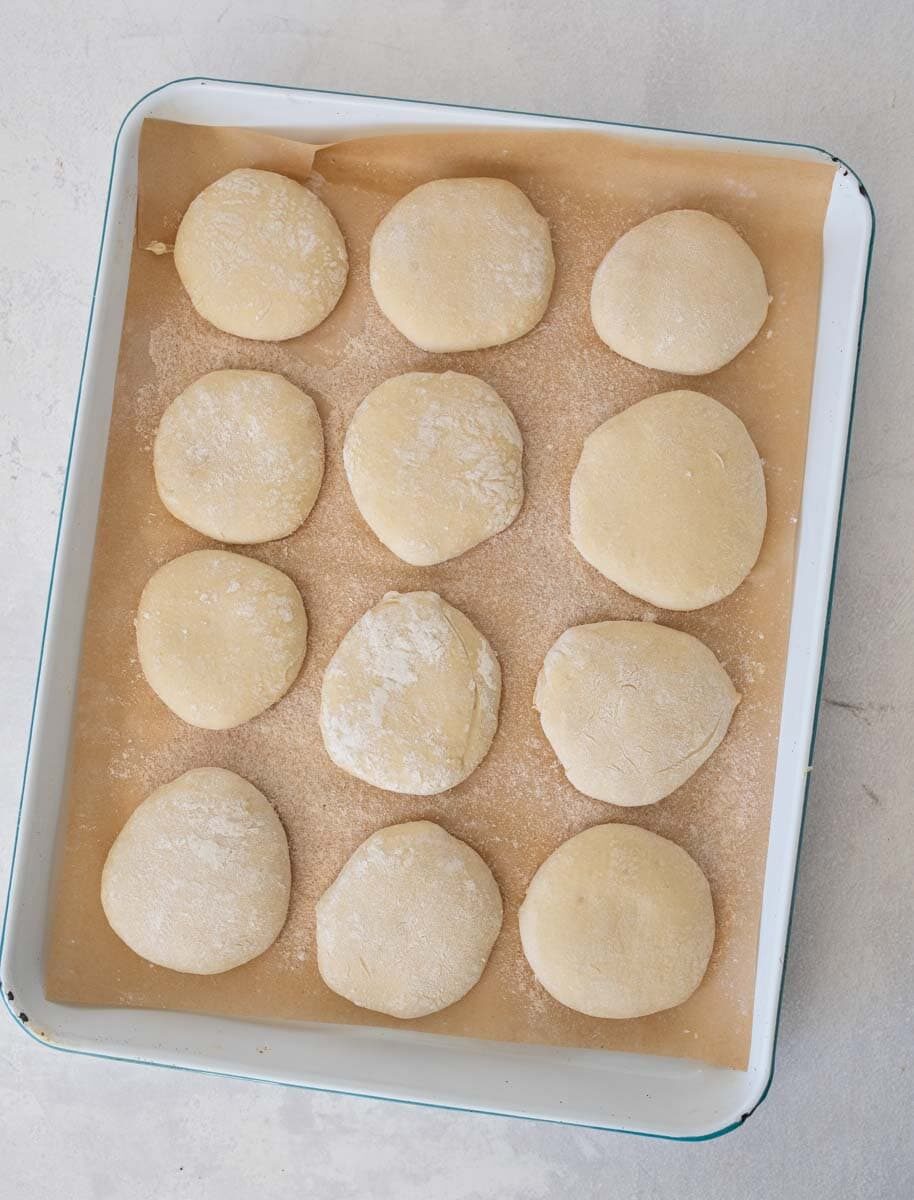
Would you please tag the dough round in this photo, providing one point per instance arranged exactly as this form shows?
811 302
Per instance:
220 636
261 256
461 264
410 698
668 501
407 926
434 463
618 922
632 709
681 292
198 879
239 456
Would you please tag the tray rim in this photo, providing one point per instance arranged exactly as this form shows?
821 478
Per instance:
135 113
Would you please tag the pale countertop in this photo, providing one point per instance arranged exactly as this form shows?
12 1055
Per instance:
837 1121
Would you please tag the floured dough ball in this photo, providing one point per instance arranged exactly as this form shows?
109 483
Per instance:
434 463
239 456
461 264
260 256
681 292
618 922
632 709
668 501
221 637
198 879
408 925
410 699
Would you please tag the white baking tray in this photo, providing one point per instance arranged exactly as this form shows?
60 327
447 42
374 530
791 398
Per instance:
639 1093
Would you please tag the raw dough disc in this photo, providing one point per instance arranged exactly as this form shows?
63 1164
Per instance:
239 456
434 463
198 879
260 256
632 709
407 926
410 699
461 264
668 500
220 636
681 292
618 922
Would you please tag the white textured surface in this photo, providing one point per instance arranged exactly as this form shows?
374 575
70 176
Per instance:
837 1120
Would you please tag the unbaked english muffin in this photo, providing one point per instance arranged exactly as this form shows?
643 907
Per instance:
618 922
239 456
221 637
261 256
632 709
407 926
409 701
668 501
681 292
435 464
198 879
461 264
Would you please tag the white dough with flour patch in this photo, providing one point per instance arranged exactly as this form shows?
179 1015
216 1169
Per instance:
261 256
461 264
435 464
198 879
407 926
239 456
410 699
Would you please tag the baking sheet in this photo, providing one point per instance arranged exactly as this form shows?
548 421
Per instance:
521 589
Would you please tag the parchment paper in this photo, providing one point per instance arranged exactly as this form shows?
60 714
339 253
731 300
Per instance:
521 588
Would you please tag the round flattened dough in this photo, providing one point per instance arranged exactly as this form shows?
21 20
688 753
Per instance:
668 501
239 456
461 264
410 699
435 464
632 709
618 922
260 256
407 926
681 292
198 879
220 636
